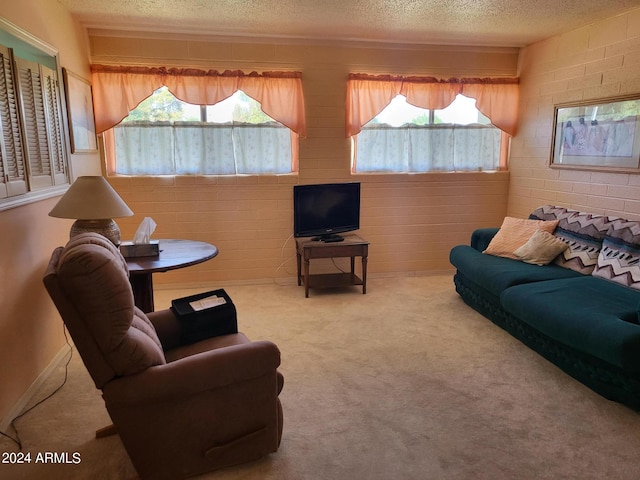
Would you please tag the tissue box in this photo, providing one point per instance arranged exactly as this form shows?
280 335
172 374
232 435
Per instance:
130 249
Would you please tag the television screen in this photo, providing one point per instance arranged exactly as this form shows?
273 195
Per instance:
324 210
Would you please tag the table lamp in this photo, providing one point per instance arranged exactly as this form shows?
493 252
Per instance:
93 203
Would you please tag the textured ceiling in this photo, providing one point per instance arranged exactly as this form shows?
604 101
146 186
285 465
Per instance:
511 23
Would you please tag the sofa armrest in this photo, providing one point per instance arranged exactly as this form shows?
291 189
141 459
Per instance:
481 238
195 374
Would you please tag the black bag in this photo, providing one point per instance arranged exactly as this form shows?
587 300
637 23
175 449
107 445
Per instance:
210 322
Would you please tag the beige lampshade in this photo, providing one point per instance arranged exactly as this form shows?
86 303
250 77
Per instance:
91 198
94 204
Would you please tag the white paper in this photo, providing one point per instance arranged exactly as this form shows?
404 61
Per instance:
144 231
204 303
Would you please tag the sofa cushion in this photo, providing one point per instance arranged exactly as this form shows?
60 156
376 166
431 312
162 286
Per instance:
586 313
583 232
619 259
514 233
495 274
541 248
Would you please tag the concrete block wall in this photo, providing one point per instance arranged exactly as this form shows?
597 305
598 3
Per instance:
412 221
597 61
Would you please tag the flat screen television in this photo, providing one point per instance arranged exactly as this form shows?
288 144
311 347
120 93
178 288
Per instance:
322 211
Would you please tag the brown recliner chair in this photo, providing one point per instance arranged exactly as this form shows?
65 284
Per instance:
180 409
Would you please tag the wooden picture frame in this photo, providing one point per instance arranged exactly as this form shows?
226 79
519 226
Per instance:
82 127
602 134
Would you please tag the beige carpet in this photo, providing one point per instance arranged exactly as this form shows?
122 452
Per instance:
406 382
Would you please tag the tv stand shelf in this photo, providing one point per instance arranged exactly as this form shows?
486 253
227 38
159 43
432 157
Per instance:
353 246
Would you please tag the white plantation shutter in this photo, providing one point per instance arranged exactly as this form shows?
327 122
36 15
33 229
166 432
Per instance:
34 161
54 122
12 163
35 123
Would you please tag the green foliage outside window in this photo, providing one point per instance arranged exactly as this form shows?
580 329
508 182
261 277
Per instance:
162 106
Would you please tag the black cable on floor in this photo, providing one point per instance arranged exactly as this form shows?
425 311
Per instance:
17 440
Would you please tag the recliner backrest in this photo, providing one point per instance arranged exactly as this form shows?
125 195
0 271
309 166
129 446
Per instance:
88 281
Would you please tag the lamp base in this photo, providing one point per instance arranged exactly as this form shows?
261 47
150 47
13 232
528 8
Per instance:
106 227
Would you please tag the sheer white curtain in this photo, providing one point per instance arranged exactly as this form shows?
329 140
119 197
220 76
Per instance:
262 149
199 150
143 149
426 149
202 149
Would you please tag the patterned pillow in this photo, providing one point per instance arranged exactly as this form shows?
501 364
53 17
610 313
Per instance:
619 260
583 232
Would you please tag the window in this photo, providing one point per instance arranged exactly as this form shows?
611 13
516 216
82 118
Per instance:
179 131
165 136
33 158
405 138
422 124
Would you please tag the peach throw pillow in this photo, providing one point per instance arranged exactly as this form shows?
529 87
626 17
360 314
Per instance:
514 233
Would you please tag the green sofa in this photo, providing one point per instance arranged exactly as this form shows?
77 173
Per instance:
581 311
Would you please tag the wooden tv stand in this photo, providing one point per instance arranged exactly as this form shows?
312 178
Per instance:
353 246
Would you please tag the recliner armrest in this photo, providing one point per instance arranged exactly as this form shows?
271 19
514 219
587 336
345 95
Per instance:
195 374
481 238
167 328
175 332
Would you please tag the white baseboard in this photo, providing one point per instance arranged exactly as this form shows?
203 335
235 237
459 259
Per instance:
28 395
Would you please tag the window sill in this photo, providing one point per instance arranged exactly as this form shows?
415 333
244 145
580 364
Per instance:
32 197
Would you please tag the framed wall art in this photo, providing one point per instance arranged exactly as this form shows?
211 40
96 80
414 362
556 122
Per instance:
599 134
82 128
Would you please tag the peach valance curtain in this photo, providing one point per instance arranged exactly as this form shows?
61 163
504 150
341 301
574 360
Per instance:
117 90
368 95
